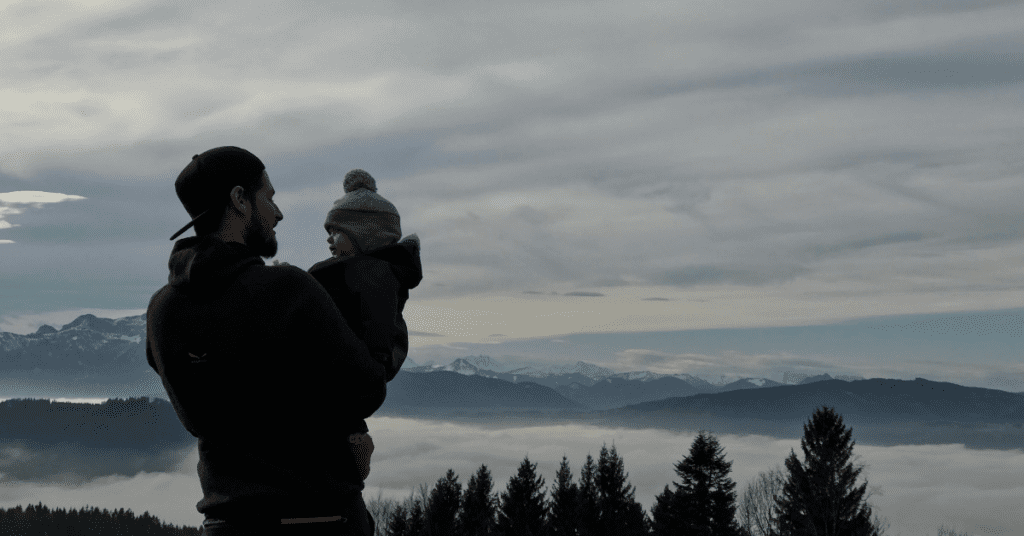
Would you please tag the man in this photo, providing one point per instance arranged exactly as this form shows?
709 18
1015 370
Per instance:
259 364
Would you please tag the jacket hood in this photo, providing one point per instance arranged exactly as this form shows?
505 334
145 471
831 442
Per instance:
404 257
204 264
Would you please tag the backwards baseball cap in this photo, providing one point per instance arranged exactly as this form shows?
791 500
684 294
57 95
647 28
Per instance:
210 176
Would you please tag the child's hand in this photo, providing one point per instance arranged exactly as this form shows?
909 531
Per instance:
280 263
362 448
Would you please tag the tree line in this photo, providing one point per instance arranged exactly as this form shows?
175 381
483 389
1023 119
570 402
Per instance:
135 423
817 496
40 520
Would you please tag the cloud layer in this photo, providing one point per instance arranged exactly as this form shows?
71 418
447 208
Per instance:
916 488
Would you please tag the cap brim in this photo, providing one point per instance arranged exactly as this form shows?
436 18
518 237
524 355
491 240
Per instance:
190 224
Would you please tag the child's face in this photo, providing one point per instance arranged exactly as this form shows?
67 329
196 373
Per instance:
339 243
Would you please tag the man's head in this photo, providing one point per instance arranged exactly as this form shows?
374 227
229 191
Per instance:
255 220
228 193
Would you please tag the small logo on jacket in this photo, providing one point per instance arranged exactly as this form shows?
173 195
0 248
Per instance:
197 358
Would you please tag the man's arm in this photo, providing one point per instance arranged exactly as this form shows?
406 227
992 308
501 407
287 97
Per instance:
317 318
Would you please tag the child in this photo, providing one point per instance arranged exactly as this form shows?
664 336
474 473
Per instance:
369 277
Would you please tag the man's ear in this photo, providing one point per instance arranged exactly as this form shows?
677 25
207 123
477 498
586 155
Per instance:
238 201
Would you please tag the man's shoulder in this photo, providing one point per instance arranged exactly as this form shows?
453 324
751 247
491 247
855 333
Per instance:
268 283
283 277
157 301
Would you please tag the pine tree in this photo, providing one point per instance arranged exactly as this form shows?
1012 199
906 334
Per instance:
443 506
563 518
704 502
589 513
620 514
820 496
417 523
523 509
398 524
478 506
664 520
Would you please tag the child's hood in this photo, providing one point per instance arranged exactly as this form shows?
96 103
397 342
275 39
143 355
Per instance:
404 258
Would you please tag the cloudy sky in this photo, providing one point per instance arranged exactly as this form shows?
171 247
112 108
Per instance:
571 169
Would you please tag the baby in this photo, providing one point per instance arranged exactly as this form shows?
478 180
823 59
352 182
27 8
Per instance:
369 276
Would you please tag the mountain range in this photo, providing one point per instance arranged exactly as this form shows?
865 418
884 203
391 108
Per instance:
105 358
94 357
600 388
87 345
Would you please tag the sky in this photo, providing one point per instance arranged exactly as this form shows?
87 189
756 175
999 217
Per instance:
605 169
915 488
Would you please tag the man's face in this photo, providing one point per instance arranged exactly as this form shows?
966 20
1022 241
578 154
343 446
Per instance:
259 230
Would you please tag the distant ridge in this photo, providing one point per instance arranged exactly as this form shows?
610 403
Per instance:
599 387
447 389
875 398
883 411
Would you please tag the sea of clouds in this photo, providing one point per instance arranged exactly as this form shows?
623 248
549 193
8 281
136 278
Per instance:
916 488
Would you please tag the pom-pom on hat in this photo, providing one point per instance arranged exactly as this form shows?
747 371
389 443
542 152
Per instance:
206 181
370 221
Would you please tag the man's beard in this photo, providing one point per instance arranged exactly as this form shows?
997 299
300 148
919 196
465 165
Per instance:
264 245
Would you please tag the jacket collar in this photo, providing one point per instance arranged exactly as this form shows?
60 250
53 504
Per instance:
200 264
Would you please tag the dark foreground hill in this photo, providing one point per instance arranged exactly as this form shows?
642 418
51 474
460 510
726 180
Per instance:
69 443
877 399
882 411
617 392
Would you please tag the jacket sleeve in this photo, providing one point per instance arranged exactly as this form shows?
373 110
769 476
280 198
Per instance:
377 289
361 379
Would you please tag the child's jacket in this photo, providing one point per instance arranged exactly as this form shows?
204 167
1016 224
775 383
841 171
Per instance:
370 290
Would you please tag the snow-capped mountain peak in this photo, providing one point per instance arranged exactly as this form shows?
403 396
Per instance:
641 375
87 345
693 380
528 371
589 370
462 366
486 362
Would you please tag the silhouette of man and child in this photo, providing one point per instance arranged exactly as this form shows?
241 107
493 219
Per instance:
272 368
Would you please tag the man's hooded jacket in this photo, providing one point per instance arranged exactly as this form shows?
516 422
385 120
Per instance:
262 368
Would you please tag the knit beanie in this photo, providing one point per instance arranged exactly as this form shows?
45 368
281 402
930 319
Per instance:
370 221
